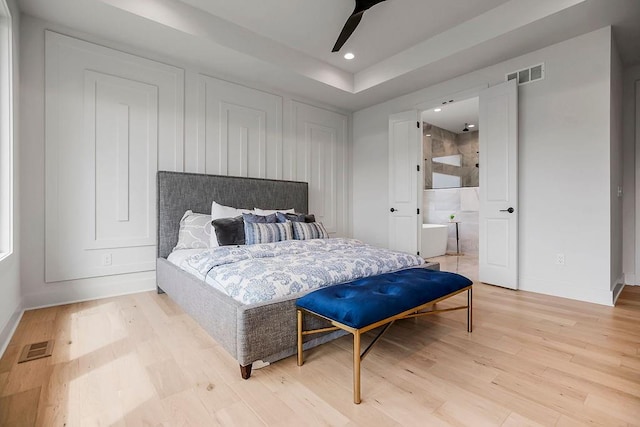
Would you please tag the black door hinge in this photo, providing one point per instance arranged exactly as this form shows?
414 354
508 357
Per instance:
418 211
418 168
418 125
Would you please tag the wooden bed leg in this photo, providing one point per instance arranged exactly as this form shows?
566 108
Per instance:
245 371
160 291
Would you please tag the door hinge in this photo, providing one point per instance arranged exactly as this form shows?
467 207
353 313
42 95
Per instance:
418 211
418 168
418 125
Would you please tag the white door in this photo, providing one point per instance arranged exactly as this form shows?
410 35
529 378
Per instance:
498 252
405 152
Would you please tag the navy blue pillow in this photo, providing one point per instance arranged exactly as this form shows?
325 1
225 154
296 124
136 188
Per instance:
293 217
259 219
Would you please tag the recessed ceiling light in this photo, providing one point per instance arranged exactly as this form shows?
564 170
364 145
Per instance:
437 110
472 126
428 134
349 56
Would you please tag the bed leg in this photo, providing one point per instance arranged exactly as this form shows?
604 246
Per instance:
160 291
245 371
469 311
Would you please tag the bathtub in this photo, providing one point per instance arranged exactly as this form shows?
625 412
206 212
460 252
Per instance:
434 240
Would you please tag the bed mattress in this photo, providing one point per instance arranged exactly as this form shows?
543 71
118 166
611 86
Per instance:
264 272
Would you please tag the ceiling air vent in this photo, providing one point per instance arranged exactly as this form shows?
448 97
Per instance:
527 75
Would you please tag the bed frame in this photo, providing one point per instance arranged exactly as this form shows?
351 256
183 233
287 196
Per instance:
263 331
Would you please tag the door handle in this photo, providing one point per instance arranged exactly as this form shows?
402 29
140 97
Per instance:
510 210
393 210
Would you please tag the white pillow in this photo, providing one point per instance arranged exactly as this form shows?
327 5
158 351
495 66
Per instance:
220 211
265 212
195 231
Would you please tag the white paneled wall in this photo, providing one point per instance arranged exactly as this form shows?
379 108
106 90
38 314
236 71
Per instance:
113 119
239 130
321 160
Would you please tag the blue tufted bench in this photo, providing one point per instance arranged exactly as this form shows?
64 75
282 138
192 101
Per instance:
371 302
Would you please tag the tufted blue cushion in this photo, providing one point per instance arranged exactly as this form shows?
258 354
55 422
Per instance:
365 301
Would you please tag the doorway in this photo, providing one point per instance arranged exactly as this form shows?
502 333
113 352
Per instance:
451 179
498 178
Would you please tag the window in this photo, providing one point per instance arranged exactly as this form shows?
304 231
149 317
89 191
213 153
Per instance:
6 132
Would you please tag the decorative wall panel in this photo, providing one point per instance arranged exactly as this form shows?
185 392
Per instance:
321 159
239 130
112 120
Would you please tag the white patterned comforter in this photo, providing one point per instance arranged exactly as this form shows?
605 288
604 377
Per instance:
258 273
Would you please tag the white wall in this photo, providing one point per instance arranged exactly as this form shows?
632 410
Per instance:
196 148
617 147
10 299
564 143
630 165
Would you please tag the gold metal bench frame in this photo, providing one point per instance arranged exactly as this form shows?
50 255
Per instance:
357 356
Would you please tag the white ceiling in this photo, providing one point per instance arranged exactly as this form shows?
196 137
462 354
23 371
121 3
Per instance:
285 45
454 115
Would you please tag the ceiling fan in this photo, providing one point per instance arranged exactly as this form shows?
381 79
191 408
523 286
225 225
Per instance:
352 22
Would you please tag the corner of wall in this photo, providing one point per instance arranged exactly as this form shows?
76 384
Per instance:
9 328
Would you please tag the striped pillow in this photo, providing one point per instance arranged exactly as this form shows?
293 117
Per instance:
267 233
309 230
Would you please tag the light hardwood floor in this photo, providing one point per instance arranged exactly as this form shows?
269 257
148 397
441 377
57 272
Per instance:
138 360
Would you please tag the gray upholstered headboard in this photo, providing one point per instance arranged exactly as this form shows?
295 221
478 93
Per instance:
179 191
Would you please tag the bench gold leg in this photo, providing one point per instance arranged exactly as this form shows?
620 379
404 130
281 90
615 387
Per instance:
356 367
300 355
469 311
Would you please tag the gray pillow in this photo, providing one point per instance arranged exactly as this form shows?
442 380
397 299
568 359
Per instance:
229 231
195 231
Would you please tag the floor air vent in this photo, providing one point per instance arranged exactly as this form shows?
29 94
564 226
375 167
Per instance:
36 351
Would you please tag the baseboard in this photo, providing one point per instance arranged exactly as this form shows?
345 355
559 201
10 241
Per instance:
617 291
566 290
9 329
88 290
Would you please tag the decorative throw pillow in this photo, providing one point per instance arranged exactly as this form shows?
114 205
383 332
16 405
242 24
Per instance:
259 211
307 231
229 231
261 219
309 218
220 211
293 217
267 233
195 231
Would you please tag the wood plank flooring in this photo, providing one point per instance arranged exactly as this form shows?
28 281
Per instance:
138 360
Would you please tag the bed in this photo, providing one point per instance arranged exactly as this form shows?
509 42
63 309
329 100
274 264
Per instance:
250 332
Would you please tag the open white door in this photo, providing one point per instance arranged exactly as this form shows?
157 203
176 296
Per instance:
405 153
498 146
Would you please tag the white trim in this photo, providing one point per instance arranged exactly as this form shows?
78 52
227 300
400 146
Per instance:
637 178
6 133
9 329
80 290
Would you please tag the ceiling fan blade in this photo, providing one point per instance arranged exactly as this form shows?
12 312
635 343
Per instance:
347 30
362 5
350 26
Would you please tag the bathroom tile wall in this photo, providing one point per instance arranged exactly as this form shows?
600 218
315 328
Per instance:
442 142
464 203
